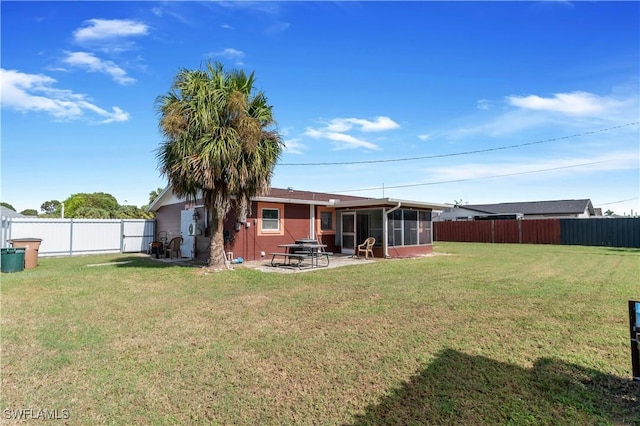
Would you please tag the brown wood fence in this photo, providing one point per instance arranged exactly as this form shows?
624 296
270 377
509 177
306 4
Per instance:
541 231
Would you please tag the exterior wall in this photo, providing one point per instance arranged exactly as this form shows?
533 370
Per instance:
168 220
251 242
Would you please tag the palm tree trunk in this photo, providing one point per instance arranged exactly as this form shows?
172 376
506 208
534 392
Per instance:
216 247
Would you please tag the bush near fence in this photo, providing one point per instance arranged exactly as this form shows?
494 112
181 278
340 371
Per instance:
609 232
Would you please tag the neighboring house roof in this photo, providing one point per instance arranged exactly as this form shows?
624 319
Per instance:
536 207
293 196
5 212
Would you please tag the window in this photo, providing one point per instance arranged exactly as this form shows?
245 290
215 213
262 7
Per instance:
395 229
326 221
425 228
270 219
409 227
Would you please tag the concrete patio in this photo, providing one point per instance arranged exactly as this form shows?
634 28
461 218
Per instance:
264 265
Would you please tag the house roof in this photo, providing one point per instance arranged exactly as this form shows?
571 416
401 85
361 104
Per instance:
294 196
5 212
305 197
280 195
536 207
390 202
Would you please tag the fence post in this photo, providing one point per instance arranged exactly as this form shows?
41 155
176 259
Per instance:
519 231
121 236
71 237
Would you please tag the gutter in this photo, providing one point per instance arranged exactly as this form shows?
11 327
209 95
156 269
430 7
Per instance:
386 228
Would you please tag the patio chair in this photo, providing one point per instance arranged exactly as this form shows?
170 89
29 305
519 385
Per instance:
366 247
174 247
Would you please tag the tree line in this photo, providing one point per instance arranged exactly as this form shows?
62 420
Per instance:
97 205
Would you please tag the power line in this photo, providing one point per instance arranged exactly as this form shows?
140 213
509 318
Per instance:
454 154
475 178
619 201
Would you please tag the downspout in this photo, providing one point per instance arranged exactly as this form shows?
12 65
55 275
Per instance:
312 221
385 229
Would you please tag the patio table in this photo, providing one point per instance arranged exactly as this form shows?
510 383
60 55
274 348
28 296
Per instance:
299 251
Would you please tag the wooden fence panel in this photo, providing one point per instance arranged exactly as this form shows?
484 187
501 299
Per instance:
506 231
463 231
541 231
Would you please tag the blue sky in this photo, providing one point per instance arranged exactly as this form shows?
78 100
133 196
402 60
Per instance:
434 101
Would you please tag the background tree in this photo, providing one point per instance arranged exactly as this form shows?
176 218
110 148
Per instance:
609 213
7 205
92 213
29 212
219 141
133 212
96 200
154 194
50 207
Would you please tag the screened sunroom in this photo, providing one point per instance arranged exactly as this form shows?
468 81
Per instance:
401 228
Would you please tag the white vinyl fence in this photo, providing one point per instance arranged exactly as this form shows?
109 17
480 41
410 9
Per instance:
69 237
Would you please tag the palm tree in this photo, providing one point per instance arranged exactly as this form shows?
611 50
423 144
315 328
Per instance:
220 143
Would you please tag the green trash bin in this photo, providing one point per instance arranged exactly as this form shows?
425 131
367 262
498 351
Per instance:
12 259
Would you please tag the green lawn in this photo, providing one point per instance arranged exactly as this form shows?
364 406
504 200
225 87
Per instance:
478 334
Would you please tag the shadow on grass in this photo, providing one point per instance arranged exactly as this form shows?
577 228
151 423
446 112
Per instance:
149 262
624 250
462 389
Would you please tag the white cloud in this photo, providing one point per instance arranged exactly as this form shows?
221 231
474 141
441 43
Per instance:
227 27
345 124
347 141
336 129
544 167
424 136
567 111
34 93
293 146
229 53
101 29
573 103
92 63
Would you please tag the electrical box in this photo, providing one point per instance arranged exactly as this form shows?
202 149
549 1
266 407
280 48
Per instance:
194 229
